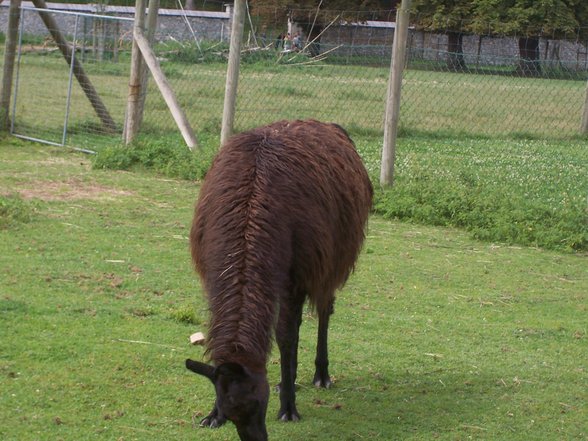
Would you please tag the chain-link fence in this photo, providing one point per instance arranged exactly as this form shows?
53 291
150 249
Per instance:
339 74
342 76
495 85
453 82
76 103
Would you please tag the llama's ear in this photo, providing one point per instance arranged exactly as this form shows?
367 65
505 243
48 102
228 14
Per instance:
201 368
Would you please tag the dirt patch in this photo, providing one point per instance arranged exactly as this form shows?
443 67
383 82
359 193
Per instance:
70 190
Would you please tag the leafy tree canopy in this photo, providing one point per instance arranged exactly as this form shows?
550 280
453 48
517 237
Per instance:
321 11
441 15
507 17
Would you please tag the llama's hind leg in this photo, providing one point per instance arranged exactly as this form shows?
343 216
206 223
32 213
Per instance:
321 376
287 337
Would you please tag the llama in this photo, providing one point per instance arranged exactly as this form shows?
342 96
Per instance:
280 219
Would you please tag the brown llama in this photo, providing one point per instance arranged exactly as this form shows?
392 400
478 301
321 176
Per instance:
280 219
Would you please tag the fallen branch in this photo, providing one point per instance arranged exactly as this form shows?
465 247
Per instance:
122 340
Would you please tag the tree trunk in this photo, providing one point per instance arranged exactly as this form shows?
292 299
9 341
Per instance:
529 57
455 58
190 5
313 33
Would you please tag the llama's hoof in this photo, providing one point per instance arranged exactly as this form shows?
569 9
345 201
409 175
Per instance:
324 382
212 421
289 416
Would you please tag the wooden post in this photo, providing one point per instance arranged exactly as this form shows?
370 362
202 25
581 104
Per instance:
166 90
393 99
584 126
152 13
133 116
233 70
9 57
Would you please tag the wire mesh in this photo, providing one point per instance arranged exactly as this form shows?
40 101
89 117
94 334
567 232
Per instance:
50 104
489 85
339 74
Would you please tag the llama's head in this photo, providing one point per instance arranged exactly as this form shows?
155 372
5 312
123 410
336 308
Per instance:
241 397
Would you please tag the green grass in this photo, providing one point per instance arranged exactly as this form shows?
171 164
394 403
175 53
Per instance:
435 336
491 105
513 191
527 192
13 210
168 158
272 88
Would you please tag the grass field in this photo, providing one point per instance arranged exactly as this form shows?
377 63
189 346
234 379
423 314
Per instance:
354 96
436 335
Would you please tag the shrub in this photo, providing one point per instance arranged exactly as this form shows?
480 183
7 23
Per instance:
167 157
490 213
185 314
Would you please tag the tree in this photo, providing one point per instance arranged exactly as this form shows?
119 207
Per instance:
528 20
449 17
314 15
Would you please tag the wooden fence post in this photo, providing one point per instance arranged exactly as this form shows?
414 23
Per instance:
584 126
165 88
233 70
9 57
133 114
152 13
393 99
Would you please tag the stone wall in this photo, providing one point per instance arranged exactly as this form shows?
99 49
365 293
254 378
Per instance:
372 38
375 38
172 23
497 51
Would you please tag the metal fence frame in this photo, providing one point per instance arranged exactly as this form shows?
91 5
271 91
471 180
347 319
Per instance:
77 16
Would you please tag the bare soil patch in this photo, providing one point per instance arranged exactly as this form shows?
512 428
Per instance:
71 189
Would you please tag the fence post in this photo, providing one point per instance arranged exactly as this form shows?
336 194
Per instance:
233 70
9 57
393 99
153 11
165 88
584 126
133 116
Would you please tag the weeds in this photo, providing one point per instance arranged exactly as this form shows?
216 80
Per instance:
525 192
14 210
166 157
516 192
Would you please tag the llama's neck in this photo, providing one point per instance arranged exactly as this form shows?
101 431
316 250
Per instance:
242 325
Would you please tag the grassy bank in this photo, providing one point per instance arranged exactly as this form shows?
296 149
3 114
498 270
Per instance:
526 192
529 192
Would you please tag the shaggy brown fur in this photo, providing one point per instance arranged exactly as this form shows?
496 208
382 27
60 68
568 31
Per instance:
280 218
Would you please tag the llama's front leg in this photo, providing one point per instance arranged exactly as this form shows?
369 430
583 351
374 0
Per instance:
321 376
287 338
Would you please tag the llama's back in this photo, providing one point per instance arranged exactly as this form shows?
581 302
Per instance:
283 205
